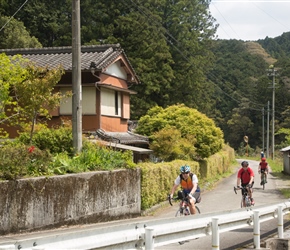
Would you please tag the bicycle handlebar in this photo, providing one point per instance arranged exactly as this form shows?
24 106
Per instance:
240 187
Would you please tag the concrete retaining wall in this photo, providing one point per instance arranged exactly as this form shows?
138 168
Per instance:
44 203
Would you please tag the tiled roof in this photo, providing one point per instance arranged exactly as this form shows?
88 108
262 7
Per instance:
123 137
101 55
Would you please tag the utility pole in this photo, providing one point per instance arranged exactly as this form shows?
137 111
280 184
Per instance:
268 120
272 72
76 78
263 130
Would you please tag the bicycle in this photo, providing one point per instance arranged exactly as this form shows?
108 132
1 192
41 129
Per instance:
183 209
263 178
246 200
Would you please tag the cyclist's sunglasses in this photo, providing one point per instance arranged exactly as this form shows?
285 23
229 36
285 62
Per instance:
185 172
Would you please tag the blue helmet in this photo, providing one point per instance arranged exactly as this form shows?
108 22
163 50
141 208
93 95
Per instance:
184 169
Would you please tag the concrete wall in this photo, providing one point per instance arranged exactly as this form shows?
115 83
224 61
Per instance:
43 203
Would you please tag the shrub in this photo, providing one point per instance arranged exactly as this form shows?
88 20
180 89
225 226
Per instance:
92 157
54 140
19 160
52 153
201 137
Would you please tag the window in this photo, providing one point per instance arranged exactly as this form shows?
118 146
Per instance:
110 102
88 102
116 103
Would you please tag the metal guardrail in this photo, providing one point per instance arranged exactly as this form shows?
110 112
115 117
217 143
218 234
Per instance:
158 232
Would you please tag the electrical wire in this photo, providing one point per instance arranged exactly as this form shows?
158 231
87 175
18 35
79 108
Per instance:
156 22
13 15
226 22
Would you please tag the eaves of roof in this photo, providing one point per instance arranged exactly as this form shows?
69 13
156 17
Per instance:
285 149
109 86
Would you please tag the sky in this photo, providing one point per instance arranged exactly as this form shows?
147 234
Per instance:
250 20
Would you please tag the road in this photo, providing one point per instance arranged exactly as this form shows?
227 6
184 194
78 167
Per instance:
223 198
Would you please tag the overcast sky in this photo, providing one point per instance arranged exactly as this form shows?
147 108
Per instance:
251 20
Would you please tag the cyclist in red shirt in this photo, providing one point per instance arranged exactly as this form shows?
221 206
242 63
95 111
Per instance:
246 179
263 166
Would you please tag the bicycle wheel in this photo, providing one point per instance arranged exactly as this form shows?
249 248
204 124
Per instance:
242 203
197 209
264 180
179 213
248 201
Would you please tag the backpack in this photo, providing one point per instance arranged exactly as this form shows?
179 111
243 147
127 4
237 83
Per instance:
197 191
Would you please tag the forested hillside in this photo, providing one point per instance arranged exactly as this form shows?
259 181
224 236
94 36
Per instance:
173 49
278 47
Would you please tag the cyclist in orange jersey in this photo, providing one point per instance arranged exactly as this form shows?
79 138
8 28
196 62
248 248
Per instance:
189 184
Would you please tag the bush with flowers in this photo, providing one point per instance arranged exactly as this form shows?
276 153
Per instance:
51 154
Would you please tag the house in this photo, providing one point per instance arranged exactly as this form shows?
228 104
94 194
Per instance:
106 78
286 159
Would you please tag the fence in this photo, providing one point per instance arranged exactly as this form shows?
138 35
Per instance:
156 232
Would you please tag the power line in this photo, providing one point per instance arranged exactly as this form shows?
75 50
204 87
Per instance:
159 25
226 22
13 15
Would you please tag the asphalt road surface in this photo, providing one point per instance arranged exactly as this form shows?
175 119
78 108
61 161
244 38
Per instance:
223 198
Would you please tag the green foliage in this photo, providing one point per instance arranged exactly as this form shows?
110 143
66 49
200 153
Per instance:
167 42
54 140
277 47
168 145
171 47
52 153
93 157
39 82
15 35
194 127
19 160
286 132
158 179
11 71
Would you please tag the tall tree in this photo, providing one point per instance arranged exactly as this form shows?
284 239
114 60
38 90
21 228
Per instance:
15 35
49 21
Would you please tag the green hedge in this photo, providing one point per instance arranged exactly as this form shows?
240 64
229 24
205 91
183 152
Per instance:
157 179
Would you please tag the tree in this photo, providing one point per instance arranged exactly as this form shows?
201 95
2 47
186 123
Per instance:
167 42
35 95
193 126
11 71
187 29
15 35
49 21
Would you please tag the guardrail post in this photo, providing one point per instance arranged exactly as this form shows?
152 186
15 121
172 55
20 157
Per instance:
215 234
256 230
149 238
280 222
